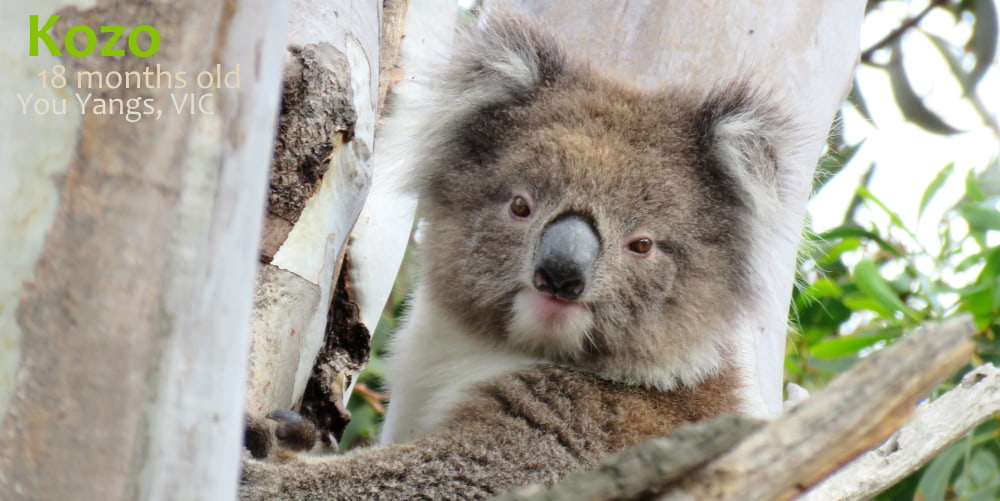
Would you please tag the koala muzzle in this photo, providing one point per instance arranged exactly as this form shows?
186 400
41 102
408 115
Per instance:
565 257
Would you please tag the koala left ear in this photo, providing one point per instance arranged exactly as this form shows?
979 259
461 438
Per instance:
747 134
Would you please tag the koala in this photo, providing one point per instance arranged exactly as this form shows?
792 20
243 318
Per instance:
584 259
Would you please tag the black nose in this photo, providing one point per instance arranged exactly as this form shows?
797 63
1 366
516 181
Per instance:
566 254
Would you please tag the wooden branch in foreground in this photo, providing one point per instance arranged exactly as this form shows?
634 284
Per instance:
857 411
935 426
647 468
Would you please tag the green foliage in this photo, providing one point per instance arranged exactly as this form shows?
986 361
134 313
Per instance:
871 279
864 287
368 400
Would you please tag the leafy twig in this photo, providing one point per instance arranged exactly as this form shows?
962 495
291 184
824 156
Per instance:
866 56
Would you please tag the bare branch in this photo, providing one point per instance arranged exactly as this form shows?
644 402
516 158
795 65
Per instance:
935 426
866 56
857 411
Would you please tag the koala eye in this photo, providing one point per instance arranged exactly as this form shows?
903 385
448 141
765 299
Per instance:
520 207
641 245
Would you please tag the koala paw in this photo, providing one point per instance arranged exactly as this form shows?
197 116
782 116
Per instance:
294 432
279 435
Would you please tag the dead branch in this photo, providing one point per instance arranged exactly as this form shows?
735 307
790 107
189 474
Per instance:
857 411
935 426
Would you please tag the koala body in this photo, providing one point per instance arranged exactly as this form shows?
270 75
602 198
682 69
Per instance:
584 259
530 426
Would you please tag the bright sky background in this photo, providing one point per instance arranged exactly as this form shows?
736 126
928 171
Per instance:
908 157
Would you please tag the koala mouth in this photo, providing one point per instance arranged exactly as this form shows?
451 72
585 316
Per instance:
548 324
552 311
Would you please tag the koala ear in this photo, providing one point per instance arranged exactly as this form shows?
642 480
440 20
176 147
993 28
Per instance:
498 64
501 60
747 136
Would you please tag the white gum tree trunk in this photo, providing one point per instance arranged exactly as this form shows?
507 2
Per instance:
130 250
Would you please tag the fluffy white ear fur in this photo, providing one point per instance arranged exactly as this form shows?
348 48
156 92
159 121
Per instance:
752 138
499 60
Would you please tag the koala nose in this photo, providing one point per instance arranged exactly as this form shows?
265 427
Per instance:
566 254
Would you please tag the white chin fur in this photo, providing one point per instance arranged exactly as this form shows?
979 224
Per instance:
555 329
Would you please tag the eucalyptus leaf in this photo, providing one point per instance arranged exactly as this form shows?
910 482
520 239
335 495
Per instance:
933 188
934 483
873 285
984 41
981 217
842 346
858 101
948 52
851 230
973 191
856 200
910 104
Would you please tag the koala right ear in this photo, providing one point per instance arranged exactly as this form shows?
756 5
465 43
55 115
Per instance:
502 60
459 119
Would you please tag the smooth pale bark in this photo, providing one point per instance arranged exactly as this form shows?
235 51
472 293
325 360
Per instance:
294 290
803 51
383 230
27 188
133 328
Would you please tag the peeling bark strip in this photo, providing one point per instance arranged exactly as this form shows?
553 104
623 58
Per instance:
345 352
284 305
317 106
94 318
391 35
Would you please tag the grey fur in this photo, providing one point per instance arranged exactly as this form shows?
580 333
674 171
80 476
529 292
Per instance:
533 426
628 160
512 116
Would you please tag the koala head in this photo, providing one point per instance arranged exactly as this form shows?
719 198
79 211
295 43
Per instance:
577 219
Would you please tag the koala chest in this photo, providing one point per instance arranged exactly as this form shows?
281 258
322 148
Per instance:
433 365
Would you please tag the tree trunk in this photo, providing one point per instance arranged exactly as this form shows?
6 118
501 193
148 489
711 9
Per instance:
133 328
805 52
307 335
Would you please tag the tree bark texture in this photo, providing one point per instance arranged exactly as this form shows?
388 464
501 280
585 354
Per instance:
934 427
134 327
320 180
